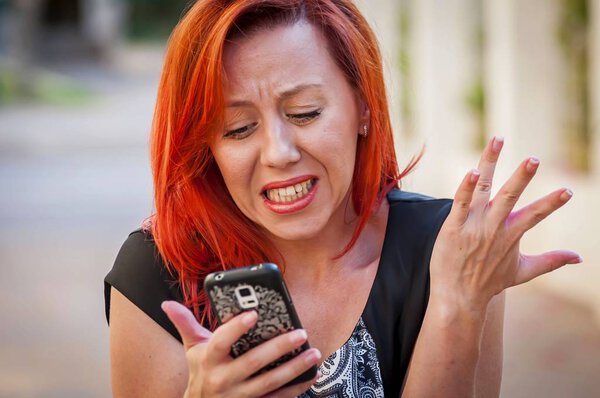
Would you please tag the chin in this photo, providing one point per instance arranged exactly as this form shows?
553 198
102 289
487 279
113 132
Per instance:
299 230
302 234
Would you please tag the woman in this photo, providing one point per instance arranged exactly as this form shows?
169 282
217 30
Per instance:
272 142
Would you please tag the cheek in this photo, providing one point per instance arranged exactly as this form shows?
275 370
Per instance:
338 146
235 166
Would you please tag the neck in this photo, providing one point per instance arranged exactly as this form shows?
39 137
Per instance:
315 260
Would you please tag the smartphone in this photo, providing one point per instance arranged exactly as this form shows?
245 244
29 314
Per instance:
260 288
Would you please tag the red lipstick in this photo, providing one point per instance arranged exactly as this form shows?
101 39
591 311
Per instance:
295 205
287 183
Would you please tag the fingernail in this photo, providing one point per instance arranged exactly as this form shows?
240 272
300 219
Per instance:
249 318
474 175
576 260
532 164
312 357
165 305
298 336
497 144
566 195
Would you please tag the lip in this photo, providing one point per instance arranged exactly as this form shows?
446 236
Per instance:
296 205
287 183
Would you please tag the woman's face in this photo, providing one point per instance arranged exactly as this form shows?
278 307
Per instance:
291 127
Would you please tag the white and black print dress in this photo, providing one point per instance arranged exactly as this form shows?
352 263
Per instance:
351 371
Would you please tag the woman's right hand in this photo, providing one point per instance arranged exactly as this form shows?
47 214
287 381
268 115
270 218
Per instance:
214 373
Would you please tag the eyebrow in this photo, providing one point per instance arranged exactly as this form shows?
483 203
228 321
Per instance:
284 95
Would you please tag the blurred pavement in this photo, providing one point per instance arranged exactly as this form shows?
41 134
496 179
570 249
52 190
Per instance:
76 180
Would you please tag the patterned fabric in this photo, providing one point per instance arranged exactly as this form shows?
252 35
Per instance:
350 372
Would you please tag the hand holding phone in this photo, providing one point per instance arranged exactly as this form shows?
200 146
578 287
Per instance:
212 372
257 288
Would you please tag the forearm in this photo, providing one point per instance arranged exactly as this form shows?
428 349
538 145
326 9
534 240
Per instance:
446 353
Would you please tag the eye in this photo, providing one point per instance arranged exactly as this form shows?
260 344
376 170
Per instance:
241 132
304 118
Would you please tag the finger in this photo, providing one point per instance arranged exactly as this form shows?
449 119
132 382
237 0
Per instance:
508 196
191 332
529 216
487 166
283 374
462 198
295 390
531 267
262 355
228 333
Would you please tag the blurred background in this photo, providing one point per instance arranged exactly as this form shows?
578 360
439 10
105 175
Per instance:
78 82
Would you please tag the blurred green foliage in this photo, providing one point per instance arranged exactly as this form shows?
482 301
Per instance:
57 90
475 99
8 86
405 65
475 96
574 16
46 88
154 19
573 37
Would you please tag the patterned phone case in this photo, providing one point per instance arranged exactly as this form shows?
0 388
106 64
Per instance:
276 313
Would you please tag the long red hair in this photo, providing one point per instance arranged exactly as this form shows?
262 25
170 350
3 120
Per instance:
197 227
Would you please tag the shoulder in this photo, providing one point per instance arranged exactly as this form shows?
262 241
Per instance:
139 265
137 253
414 221
139 273
416 216
413 200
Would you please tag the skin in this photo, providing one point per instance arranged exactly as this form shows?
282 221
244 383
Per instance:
475 258
271 101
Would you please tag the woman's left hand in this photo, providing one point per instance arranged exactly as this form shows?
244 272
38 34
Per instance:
476 254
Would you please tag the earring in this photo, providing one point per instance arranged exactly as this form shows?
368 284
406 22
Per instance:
365 131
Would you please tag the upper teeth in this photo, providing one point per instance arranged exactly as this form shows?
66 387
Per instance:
289 193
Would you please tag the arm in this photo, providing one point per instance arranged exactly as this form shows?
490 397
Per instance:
457 354
146 361
488 374
475 258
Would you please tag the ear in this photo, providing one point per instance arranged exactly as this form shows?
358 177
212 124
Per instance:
364 118
364 113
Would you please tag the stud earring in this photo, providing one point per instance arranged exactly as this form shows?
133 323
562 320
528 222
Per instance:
365 131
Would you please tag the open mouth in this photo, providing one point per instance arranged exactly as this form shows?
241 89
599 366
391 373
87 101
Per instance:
290 193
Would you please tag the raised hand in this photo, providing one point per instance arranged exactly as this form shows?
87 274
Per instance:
214 373
476 254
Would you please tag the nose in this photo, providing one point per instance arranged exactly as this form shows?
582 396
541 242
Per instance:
279 145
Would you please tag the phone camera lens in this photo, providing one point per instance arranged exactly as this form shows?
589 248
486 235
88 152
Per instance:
246 297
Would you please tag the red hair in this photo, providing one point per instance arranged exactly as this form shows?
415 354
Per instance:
197 227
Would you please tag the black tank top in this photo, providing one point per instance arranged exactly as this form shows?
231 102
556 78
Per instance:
396 305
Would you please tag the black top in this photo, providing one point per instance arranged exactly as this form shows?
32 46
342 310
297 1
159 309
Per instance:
396 305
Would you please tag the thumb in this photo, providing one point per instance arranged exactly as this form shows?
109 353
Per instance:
531 267
192 333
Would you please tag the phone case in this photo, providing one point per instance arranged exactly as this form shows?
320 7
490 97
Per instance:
261 288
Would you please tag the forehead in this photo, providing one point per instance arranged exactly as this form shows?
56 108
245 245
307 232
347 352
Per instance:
278 58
